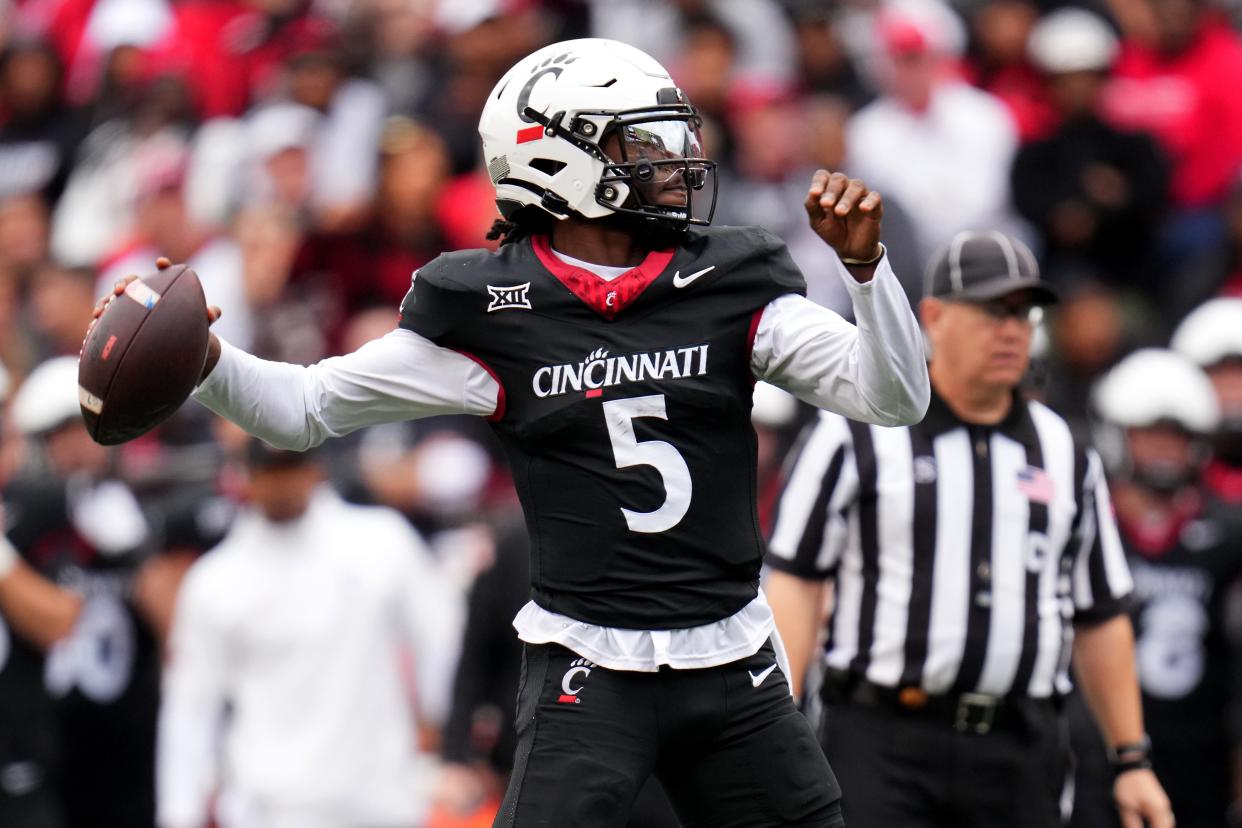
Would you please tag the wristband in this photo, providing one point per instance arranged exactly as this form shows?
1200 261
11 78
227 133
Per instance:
1131 756
8 556
864 262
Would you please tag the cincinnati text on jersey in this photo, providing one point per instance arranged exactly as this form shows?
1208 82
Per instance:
599 370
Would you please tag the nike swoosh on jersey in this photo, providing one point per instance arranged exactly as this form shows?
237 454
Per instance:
757 680
679 282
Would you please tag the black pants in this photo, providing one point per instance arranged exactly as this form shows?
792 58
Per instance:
902 769
727 744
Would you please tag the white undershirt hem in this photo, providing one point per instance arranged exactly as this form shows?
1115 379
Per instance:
646 651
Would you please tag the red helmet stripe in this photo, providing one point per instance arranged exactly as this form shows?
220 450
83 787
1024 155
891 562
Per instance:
529 134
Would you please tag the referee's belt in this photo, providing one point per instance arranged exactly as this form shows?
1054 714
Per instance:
975 713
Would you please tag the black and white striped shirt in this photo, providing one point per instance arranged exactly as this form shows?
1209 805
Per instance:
962 554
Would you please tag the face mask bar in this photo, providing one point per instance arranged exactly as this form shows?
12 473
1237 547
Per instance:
645 176
632 126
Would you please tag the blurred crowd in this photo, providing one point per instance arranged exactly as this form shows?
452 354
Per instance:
306 156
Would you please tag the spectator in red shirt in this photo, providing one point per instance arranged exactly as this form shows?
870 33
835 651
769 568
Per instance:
997 63
233 53
1183 87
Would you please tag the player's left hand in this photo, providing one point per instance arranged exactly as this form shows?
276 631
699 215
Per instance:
162 263
1141 801
844 213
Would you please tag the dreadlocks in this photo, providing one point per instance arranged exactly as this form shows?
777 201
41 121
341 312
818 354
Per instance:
525 222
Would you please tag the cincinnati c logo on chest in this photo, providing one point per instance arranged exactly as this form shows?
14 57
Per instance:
601 370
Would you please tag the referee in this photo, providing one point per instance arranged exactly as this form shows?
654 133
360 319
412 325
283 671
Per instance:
973 555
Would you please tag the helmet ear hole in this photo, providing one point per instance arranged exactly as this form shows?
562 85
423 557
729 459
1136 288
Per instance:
613 193
548 166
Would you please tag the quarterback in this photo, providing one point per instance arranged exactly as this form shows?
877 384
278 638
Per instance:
613 340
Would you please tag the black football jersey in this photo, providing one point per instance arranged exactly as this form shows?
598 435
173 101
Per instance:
625 414
87 709
1187 667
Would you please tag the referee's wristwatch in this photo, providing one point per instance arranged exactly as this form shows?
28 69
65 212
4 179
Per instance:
1131 756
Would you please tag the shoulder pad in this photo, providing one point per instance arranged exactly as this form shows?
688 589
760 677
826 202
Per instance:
757 252
439 290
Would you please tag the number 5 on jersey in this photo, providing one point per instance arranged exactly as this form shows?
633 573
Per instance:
629 451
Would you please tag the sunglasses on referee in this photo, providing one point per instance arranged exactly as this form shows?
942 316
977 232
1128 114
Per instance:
1022 308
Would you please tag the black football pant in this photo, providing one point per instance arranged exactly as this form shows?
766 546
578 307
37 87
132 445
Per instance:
905 770
726 743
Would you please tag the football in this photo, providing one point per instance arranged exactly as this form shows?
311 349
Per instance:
143 356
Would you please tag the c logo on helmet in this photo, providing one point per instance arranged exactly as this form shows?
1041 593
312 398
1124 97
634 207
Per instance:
524 96
557 64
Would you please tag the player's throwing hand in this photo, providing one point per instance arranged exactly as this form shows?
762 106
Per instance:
846 215
162 263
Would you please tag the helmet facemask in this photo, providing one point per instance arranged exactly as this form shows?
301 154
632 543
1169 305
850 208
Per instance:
1164 457
661 162
655 171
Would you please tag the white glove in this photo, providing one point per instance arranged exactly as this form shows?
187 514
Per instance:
8 556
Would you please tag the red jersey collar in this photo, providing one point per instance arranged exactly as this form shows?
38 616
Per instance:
1154 537
1224 481
607 298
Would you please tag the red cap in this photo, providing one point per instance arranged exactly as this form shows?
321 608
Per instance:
901 36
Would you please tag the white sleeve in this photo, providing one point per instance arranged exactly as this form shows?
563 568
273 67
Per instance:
875 372
191 706
400 376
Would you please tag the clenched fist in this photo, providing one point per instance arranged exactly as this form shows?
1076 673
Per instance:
844 213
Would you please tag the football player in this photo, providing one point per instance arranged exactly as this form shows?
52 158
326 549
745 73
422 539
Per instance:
613 340
81 612
1157 415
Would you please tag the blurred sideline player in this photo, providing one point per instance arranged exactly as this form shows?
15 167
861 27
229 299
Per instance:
298 622
1158 413
81 609
1211 337
613 340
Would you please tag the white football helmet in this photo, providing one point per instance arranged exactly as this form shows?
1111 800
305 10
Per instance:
48 398
1212 333
1154 385
596 128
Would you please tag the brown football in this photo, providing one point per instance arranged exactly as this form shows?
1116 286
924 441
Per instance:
144 355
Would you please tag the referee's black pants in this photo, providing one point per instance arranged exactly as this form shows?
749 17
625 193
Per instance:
727 744
901 768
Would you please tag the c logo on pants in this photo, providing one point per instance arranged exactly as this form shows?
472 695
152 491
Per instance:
569 694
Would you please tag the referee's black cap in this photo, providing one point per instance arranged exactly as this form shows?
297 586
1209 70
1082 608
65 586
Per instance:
982 265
